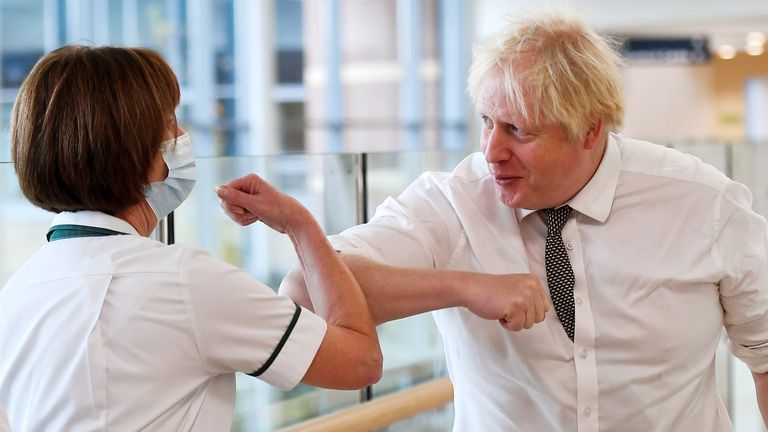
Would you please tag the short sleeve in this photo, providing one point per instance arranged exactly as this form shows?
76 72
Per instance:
742 245
417 229
241 325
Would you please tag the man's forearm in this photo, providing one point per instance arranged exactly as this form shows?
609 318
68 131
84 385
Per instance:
518 301
392 292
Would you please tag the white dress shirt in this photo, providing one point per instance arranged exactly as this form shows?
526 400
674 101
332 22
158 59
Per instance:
125 333
665 251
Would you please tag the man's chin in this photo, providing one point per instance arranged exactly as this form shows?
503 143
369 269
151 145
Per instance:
517 201
510 200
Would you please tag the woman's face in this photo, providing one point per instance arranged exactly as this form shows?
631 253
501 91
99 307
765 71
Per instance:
173 131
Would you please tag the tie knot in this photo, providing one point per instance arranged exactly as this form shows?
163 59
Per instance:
556 217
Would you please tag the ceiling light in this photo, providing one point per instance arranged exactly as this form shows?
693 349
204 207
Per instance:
755 38
754 50
726 51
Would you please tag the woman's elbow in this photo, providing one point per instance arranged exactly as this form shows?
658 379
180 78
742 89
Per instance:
373 368
368 362
367 368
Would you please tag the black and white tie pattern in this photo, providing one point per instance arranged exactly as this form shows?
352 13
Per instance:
559 271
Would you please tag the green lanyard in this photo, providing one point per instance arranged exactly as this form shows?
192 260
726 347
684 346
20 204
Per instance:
59 232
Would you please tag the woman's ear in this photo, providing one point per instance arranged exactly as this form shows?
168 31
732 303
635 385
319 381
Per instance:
159 170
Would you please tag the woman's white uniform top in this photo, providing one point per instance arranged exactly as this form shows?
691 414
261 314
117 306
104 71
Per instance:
125 333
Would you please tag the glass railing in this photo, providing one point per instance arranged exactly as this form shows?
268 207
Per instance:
342 190
22 225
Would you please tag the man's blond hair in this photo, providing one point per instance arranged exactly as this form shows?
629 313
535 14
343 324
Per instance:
553 69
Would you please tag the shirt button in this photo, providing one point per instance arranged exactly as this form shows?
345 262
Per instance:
577 300
569 245
587 412
583 353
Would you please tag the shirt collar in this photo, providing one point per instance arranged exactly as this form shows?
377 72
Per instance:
596 197
522 213
94 219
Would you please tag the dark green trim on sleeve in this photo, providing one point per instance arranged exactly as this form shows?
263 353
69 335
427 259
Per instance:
280 345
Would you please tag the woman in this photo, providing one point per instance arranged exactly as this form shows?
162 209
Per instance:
104 328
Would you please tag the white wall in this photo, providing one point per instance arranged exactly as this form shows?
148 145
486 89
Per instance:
669 103
756 95
664 102
633 15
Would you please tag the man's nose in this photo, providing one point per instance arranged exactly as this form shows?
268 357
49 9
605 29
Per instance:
496 149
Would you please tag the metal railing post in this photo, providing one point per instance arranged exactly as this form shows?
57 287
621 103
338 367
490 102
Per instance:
361 195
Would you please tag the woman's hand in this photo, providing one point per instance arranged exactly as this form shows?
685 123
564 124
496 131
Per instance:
250 198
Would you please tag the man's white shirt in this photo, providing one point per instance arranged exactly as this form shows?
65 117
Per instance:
665 251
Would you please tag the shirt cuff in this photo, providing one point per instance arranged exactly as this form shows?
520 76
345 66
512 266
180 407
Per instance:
756 357
297 354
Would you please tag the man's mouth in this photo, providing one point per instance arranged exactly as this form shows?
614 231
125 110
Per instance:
504 179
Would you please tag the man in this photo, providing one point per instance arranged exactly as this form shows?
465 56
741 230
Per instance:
647 253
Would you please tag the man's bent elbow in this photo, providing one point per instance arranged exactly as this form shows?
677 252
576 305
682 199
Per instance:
294 286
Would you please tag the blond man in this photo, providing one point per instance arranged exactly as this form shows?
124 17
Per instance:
646 254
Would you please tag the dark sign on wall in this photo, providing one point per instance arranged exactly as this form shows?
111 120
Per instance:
691 50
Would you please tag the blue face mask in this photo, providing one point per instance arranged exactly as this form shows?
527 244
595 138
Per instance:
165 196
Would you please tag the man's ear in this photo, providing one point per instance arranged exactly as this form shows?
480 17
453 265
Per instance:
594 135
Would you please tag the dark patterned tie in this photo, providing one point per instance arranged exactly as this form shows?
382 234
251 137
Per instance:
559 272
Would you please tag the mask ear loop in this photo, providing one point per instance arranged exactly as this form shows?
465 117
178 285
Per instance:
173 125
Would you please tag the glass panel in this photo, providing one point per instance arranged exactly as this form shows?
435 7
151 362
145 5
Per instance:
715 154
22 225
391 172
743 408
749 161
412 347
325 185
437 420
291 121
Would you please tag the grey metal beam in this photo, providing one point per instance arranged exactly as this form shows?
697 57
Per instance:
334 96
409 53
454 56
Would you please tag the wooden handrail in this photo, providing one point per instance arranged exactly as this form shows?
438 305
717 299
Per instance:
383 411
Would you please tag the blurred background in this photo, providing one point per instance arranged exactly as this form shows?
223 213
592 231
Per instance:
343 102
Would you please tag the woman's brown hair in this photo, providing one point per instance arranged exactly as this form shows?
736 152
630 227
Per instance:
88 123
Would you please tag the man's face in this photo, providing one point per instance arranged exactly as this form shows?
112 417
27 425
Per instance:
534 166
